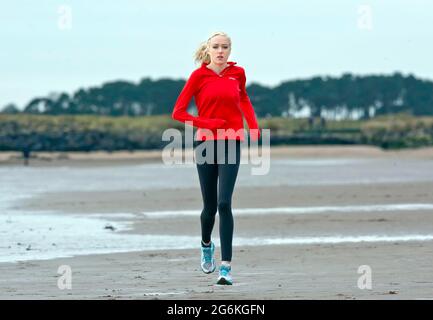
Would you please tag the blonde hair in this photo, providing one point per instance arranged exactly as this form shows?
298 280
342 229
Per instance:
201 55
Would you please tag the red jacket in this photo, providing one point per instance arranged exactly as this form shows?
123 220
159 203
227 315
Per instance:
221 100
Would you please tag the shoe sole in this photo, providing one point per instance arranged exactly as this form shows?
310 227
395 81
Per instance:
224 281
207 272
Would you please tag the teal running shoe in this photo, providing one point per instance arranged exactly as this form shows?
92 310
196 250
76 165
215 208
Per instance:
224 275
208 264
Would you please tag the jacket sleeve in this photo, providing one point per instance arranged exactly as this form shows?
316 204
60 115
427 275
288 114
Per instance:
180 108
247 109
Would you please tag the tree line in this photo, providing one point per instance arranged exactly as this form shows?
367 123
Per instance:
369 96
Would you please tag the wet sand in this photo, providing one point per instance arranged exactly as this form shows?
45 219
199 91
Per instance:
400 270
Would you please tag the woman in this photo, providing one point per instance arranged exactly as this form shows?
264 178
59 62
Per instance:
218 87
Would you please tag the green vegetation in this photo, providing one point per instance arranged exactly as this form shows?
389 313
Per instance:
91 132
401 131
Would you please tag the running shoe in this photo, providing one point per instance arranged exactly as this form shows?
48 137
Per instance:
224 275
208 264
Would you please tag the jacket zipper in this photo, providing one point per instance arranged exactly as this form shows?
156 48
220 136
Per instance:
222 71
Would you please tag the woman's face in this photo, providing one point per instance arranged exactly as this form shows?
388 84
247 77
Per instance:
219 50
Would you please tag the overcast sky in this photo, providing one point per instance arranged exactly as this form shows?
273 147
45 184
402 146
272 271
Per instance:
60 46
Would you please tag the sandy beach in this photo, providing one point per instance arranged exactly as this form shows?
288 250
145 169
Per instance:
324 268
145 156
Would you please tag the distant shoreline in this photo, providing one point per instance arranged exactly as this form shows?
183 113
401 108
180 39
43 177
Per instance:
152 156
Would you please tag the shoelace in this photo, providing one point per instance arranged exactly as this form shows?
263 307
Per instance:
224 271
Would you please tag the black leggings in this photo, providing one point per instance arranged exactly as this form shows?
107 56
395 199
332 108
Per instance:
221 199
